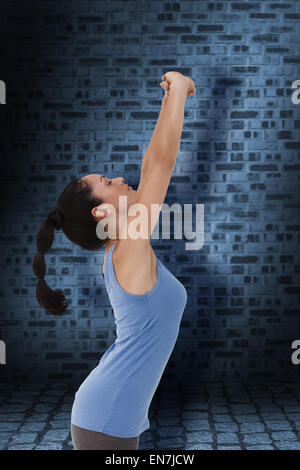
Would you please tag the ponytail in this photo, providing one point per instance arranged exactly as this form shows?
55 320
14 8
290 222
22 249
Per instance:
73 216
52 301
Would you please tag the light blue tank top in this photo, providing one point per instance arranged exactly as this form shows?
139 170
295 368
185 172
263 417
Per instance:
116 396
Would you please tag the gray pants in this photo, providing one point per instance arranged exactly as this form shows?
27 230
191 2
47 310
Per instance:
84 439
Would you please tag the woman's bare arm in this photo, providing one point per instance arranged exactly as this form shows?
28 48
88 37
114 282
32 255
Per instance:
133 256
166 137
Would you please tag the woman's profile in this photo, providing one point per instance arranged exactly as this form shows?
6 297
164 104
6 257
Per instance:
110 408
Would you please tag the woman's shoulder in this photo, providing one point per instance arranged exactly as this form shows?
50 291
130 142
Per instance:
135 269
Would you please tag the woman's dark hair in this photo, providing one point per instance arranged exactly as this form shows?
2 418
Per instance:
72 215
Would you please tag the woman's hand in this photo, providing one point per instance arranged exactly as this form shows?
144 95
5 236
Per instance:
166 86
170 77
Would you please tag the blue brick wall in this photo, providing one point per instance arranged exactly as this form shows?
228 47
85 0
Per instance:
83 96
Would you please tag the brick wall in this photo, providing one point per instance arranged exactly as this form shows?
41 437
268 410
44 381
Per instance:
83 96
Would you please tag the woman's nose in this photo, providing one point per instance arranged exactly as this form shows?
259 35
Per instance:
119 180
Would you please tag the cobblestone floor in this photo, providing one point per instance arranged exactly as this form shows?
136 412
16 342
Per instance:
209 416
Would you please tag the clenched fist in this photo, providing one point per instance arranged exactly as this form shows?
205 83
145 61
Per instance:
171 77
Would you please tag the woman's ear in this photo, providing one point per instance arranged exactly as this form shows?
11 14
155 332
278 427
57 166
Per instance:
100 212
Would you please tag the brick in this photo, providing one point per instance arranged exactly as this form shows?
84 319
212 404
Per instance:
86 99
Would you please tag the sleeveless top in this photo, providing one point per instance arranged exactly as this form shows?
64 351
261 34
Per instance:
116 396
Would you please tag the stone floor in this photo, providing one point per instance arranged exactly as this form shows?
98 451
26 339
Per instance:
208 416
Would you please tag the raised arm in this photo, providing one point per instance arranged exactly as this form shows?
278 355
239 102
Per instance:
160 159
165 141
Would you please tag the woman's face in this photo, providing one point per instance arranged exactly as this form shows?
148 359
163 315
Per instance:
109 189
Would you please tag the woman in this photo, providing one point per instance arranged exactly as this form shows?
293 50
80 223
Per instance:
111 406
